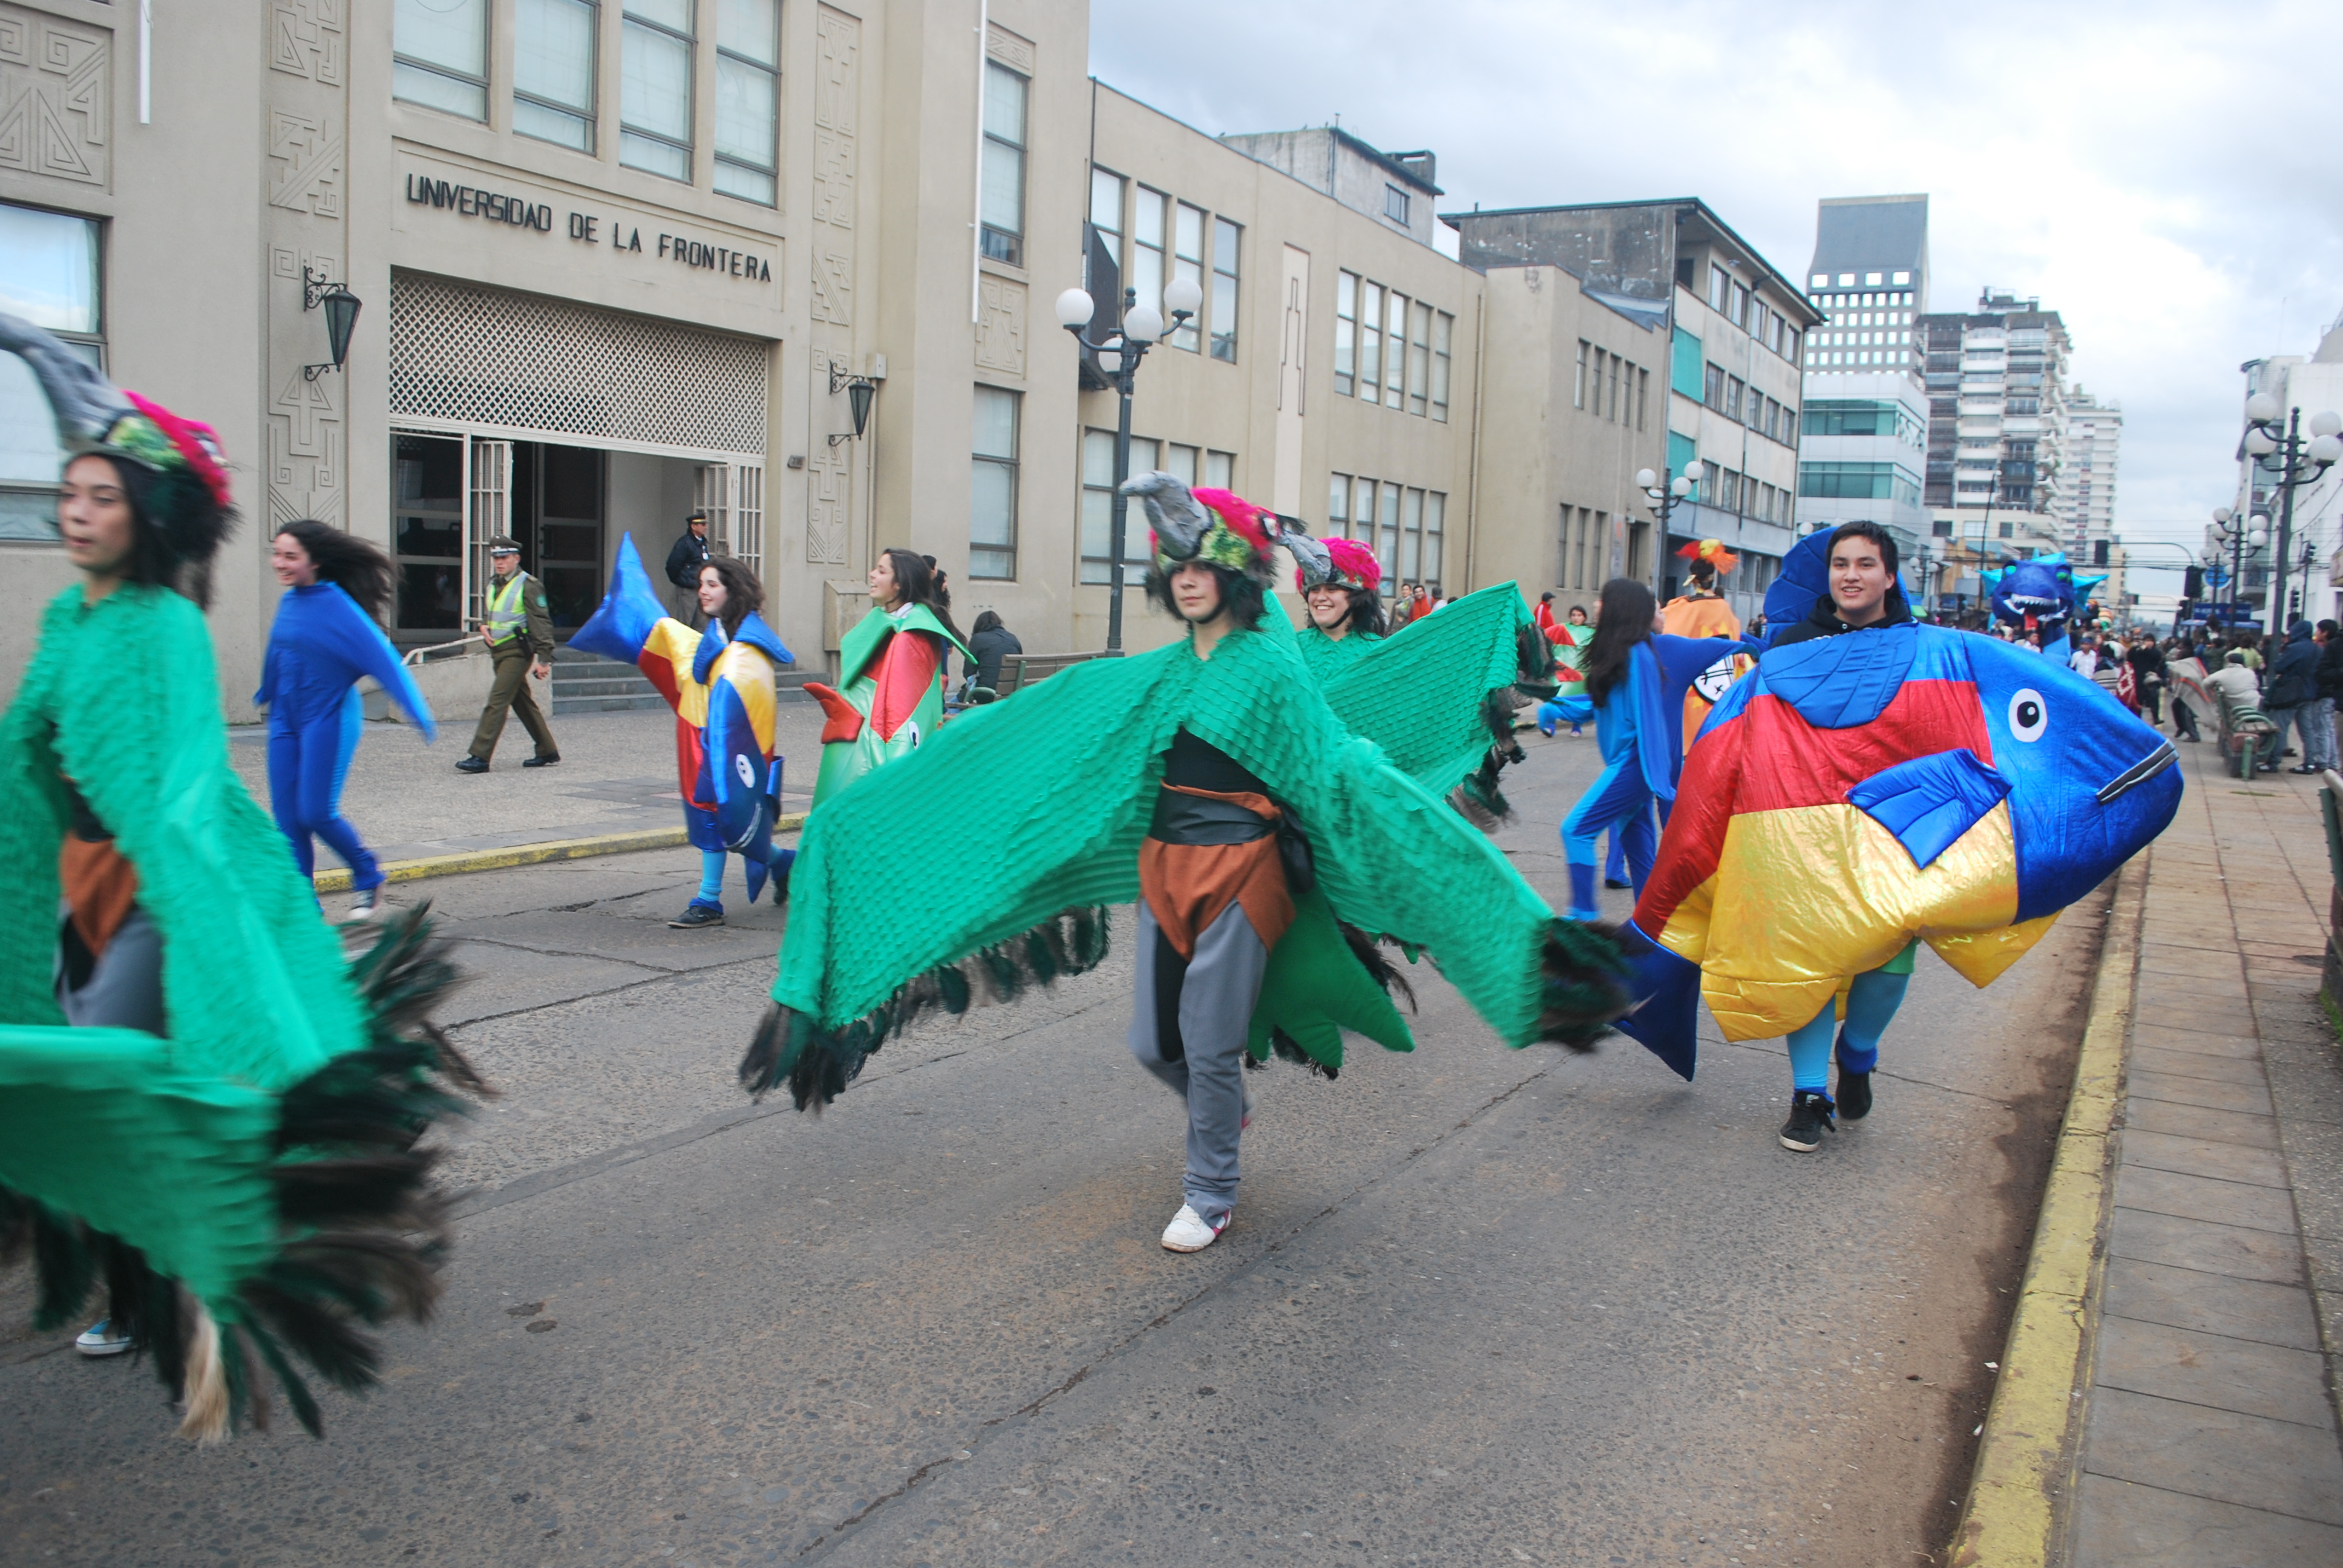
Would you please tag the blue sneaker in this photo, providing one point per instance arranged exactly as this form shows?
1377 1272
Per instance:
101 1339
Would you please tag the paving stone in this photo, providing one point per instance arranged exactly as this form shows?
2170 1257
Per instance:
2213 1093
2205 1198
2213 1370
2186 1063
2200 1121
2247 1460
2158 959
2253 1309
2203 1157
2233 1044
2185 1243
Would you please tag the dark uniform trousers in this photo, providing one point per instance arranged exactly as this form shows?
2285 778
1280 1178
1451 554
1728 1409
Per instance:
509 688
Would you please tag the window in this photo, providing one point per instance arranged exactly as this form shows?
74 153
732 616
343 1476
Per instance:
1338 505
1098 508
1758 316
1411 536
1387 535
1419 361
1718 287
439 55
1685 362
1106 209
1147 247
1371 342
1395 205
426 530
1346 332
1857 481
1188 262
1180 462
1793 350
553 70
1435 513
1443 329
1738 306
1578 381
747 98
1713 390
1610 404
1395 351
1226 236
992 488
654 87
1728 490
50 276
1734 389
1000 206
1220 469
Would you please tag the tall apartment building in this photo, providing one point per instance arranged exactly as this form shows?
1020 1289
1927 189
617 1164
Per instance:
1866 413
2092 450
1996 424
1627 336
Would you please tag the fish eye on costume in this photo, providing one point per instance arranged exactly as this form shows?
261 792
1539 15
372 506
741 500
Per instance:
748 774
1711 682
2029 716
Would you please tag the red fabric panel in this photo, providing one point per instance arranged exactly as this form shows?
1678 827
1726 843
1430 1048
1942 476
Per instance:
840 719
907 669
1789 762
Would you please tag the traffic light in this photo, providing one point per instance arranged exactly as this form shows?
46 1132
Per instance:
2098 552
2192 587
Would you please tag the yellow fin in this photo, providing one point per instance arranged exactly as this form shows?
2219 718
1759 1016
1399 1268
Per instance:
1980 957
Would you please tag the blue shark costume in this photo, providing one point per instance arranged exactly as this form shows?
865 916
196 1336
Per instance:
2040 594
319 645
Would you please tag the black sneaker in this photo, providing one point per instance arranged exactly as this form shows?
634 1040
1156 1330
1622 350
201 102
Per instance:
695 914
1615 882
473 765
546 761
1854 1095
1810 1118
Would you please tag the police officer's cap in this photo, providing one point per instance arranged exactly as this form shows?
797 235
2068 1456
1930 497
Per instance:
504 545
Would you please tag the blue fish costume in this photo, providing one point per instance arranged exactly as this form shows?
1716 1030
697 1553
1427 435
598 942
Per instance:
319 645
2040 594
1854 794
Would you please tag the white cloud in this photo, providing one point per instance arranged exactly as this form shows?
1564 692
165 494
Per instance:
2164 176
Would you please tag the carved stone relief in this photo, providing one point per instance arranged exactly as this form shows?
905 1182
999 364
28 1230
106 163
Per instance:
1007 48
307 431
306 38
310 179
55 106
1001 325
830 513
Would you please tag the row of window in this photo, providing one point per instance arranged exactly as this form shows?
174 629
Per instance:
1836 302
1405 526
1862 416
1847 279
1859 481
1620 390
1739 305
1745 405
1167 242
1194 466
1826 358
1586 549
440 60
1865 339
1389 349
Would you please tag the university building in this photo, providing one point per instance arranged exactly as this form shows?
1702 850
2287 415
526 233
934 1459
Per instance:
796 265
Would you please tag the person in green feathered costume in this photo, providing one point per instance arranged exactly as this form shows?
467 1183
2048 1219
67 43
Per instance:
1340 582
1117 780
203 1106
892 669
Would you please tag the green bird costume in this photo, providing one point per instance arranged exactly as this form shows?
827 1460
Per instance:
1051 794
248 1182
891 673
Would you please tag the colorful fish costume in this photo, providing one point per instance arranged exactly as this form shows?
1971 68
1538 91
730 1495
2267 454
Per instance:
2040 594
1854 793
890 695
727 770
319 645
244 1180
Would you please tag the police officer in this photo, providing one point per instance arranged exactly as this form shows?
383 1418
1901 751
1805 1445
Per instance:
683 563
520 635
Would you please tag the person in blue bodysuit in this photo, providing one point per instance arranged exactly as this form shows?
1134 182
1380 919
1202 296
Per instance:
1623 681
323 638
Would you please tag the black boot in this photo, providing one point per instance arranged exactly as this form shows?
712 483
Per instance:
1810 1118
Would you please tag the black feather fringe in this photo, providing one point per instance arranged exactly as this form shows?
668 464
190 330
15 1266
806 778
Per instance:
1478 798
364 1232
1533 657
1290 1049
817 1064
1369 954
1585 972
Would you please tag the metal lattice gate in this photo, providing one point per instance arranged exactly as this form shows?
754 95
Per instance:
481 356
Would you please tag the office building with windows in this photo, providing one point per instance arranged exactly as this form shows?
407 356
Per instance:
2093 447
1665 298
1866 415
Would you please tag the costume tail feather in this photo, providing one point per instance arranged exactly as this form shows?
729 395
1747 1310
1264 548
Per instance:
817 1064
1586 971
1535 656
1478 798
1370 956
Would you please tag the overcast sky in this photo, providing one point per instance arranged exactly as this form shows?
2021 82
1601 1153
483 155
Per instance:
2168 177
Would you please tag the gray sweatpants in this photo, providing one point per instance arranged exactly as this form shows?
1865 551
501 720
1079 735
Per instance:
1188 1028
124 989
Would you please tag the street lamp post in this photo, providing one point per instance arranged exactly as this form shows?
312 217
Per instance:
2281 452
2238 532
1140 329
1664 492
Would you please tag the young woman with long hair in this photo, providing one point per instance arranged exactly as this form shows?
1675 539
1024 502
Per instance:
1346 610
891 673
325 637
1623 683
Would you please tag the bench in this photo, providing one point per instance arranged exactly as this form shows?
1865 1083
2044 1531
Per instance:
2244 730
1022 669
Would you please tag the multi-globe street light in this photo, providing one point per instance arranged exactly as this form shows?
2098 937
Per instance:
2289 461
2237 533
1128 340
1666 492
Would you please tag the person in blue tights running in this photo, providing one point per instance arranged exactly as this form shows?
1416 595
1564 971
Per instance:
325 637
1624 682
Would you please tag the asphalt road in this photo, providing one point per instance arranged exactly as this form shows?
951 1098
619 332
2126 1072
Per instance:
1478 1306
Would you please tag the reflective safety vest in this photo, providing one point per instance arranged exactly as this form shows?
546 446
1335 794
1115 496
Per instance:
507 616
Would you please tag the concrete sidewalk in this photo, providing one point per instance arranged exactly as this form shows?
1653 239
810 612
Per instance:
2209 1431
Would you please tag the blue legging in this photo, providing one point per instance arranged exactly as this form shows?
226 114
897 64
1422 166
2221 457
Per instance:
307 766
1620 800
1871 1003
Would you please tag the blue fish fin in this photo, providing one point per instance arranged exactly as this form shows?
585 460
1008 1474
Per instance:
712 642
1667 1020
756 870
623 624
737 772
1930 802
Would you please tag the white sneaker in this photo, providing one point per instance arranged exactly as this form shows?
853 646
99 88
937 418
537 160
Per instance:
101 1339
1187 1232
362 907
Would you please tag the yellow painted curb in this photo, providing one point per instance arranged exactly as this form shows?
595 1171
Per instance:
338 882
2024 1479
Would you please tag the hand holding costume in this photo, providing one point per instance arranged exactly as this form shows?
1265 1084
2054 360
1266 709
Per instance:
722 691
239 1166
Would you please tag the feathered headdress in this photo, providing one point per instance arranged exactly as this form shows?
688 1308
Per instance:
1215 526
1345 563
190 501
1713 552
